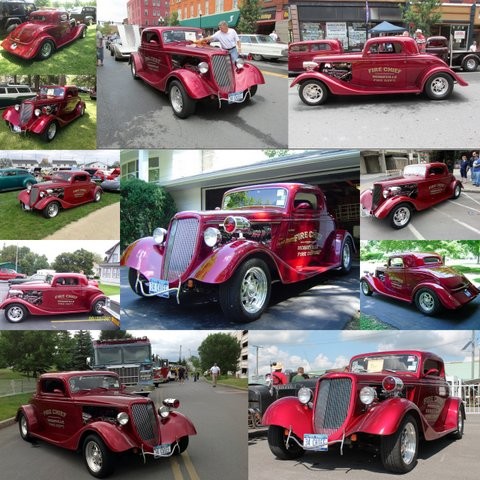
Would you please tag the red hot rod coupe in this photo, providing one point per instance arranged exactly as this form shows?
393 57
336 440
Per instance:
423 279
63 293
420 187
387 65
53 107
262 233
385 400
170 61
92 413
43 33
65 190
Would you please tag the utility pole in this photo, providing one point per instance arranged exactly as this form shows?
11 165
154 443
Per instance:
257 347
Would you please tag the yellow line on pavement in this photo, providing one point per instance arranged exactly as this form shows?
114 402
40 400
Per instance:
73 321
190 468
177 473
273 74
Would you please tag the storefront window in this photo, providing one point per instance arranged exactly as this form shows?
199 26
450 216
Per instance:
352 34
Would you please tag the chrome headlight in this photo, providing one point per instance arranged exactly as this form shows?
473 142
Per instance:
17 107
240 62
212 236
203 67
304 395
122 418
159 235
164 411
367 395
29 187
37 112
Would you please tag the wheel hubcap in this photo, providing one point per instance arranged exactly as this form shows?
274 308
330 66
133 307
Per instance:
52 130
98 307
176 99
427 302
408 443
254 290
23 426
46 49
93 456
346 255
439 86
52 210
471 64
15 314
365 288
401 216
313 93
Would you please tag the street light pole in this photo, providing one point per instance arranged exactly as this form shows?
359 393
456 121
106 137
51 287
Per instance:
200 15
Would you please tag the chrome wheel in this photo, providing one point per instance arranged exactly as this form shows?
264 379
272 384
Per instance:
15 313
97 308
51 131
346 256
365 288
471 65
408 443
439 86
426 301
313 93
46 50
254 290
401 216
98 196
52 210
93 456
176 99
23 427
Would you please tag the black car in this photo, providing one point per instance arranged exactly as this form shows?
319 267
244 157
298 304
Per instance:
87 15
13 13
36 277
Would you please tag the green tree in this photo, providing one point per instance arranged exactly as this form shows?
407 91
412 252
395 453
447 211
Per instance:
421 14
222 349
143 207
83 349
27 261
173 19
250 11
42 3
65 345
75 262
114 334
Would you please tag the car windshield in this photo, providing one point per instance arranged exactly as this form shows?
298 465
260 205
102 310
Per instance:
414 171
389 363
64 176
51 91
256 197
91 382
265 39
175 36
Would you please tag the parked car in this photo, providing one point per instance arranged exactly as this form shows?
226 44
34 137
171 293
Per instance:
114 173
86 15
464 59
387 401
10 273
36 277
387 65
90 412
15 178
112 308
306 51
111 185
420 187
54 106
170 61
65 293
423 279
126 43
11 94
96 174
43 33
279 231
64 190
262 47
13 13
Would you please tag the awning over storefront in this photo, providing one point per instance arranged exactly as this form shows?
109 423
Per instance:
212 21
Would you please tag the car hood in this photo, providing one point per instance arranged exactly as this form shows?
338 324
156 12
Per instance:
401 180
112 398
195 50
50 184
267 214
26 32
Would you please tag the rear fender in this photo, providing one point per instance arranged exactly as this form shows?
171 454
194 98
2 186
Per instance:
29 412
455 77
176 426
446 299
145 256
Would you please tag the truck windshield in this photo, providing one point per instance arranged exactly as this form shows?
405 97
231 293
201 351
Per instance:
122 354
257 197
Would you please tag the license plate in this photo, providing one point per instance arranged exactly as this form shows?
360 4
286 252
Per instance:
235 97
162 450
364 212
159 287
316 441
467 293
17 129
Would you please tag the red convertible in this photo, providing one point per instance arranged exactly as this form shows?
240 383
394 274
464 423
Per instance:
420 187
387 65
43 33
64 293
423 279
169 60
65 190
263 233
54 106
386 401
91 412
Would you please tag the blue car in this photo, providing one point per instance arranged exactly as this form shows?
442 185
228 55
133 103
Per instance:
15 178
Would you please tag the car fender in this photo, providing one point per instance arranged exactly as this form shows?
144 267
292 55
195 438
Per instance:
43 202
31 417
338 241
40 124
195 85
248 76
176 426
40 38
98 188
289 413
368 277
454 183
24 197
11 115
450 412
29 180
145 256
11 300
98 296
445 297
366 199
390 203
334 85
112 435
440 69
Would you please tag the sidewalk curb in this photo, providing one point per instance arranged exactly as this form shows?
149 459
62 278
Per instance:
259 432
7 422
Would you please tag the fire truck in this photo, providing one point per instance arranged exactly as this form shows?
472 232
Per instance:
161 371
130 358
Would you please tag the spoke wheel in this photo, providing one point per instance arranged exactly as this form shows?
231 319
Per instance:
98 459
313 92
400 216
51 210
439 86
15 313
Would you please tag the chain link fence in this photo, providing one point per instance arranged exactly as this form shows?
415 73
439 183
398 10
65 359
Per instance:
13 387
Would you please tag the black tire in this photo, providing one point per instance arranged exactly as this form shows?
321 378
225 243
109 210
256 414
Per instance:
182 445
256 57
439 86
246 295
51 210
347 252
470 64
15 313
24 428
50 132
253 90
399 451
427 301
46 50
98 459
458 433
98 196
400 216
313 93
457 190
278 446
182 105
97 307
365 288
132 280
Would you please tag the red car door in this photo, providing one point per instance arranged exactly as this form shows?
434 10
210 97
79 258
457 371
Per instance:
80 189
395 281
64 295
435 187
156 62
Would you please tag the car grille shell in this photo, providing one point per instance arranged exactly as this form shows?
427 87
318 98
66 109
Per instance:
223 73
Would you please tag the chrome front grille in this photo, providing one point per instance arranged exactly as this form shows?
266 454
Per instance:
144 419
332 404
181 243
26 111
223 73
377 196
128 375
34 193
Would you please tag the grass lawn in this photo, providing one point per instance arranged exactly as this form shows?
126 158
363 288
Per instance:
367 322
109 290
76 58
232 381
81 134
9 374
14 223
9 405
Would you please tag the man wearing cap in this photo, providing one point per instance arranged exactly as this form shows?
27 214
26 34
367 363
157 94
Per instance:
278 377
228 39
421 40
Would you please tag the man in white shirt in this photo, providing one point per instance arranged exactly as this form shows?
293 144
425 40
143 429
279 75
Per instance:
228 39
215 372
